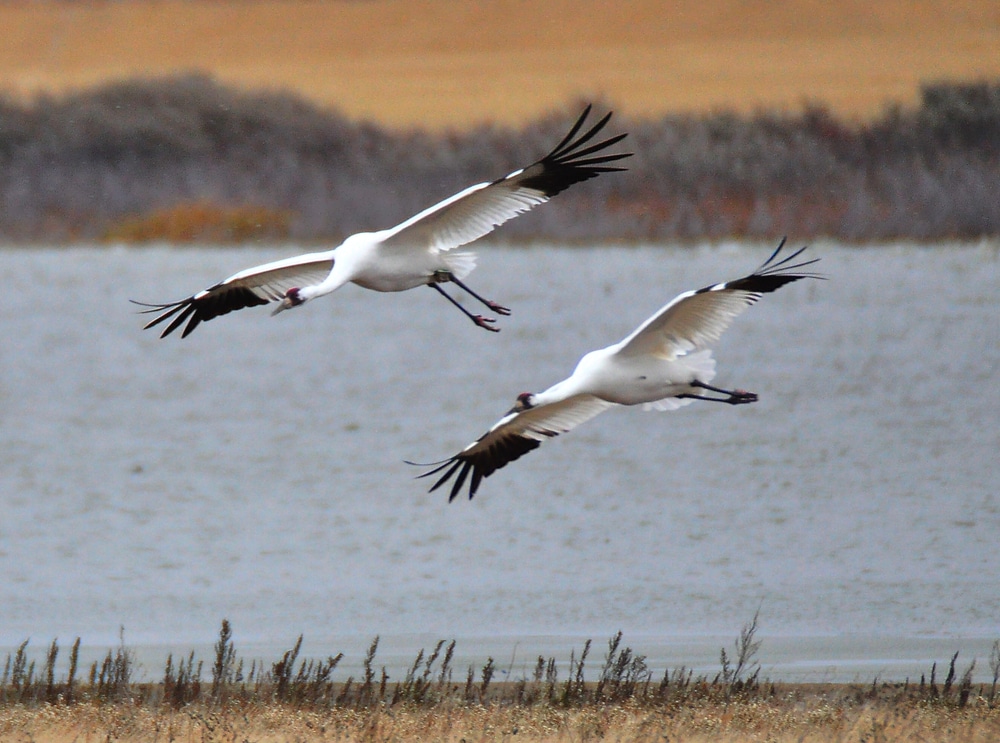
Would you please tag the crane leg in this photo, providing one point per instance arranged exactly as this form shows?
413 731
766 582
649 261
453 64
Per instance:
732 397
483 322
443 276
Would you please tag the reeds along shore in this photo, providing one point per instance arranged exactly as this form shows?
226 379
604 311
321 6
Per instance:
186 158
301 699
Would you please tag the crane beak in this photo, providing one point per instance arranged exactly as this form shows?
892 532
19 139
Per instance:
291 299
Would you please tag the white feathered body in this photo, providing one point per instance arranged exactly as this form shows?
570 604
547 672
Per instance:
652 381
367 260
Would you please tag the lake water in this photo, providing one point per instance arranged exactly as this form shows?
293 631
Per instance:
254 471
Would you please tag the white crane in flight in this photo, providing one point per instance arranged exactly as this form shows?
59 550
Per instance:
665 363
418 252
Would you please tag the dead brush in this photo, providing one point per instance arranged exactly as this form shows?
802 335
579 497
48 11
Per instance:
309 686
112 682
541 688
223 164
19 683
202 222
367 694
574 689
224 668
994 669
732 676
182 685
624 676
414 689
17 675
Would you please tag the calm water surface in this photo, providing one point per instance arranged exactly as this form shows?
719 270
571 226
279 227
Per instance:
254 471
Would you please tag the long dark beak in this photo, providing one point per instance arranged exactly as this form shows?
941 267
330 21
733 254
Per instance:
283 305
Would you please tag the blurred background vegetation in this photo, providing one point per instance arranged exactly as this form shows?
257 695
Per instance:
187 158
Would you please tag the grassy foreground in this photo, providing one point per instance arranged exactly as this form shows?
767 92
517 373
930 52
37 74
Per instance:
298 700
791 714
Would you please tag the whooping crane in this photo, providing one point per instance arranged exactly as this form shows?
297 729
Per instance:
663 364
414 253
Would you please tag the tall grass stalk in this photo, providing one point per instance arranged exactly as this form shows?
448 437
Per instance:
225 657
994 668
624 678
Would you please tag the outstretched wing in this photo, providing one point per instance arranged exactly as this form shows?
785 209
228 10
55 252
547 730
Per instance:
479 209
248 288
514 435
695 319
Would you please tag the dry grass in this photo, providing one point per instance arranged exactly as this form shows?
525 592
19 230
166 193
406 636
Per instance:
297 700
202 222
791 714
439 63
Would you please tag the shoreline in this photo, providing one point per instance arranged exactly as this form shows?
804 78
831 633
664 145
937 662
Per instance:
787 660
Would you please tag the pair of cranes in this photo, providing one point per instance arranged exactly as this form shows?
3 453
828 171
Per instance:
664 363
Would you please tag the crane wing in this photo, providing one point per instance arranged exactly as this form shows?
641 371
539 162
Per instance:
512 436
248 288
479 209
696 318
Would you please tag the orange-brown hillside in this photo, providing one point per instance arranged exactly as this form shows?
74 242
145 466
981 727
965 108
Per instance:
453 62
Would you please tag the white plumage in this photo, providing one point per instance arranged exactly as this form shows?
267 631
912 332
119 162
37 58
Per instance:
414 253
662 365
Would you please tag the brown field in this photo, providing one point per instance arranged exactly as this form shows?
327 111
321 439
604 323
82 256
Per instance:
793 715
297 700
444 63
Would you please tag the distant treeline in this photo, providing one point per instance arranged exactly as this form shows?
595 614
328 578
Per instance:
96 164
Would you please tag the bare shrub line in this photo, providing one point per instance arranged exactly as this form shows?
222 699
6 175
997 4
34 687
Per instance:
186 158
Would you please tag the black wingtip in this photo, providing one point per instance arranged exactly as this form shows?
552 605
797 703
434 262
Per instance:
774 274
572 132
199 308
575 158
473 465
452 465
772 267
